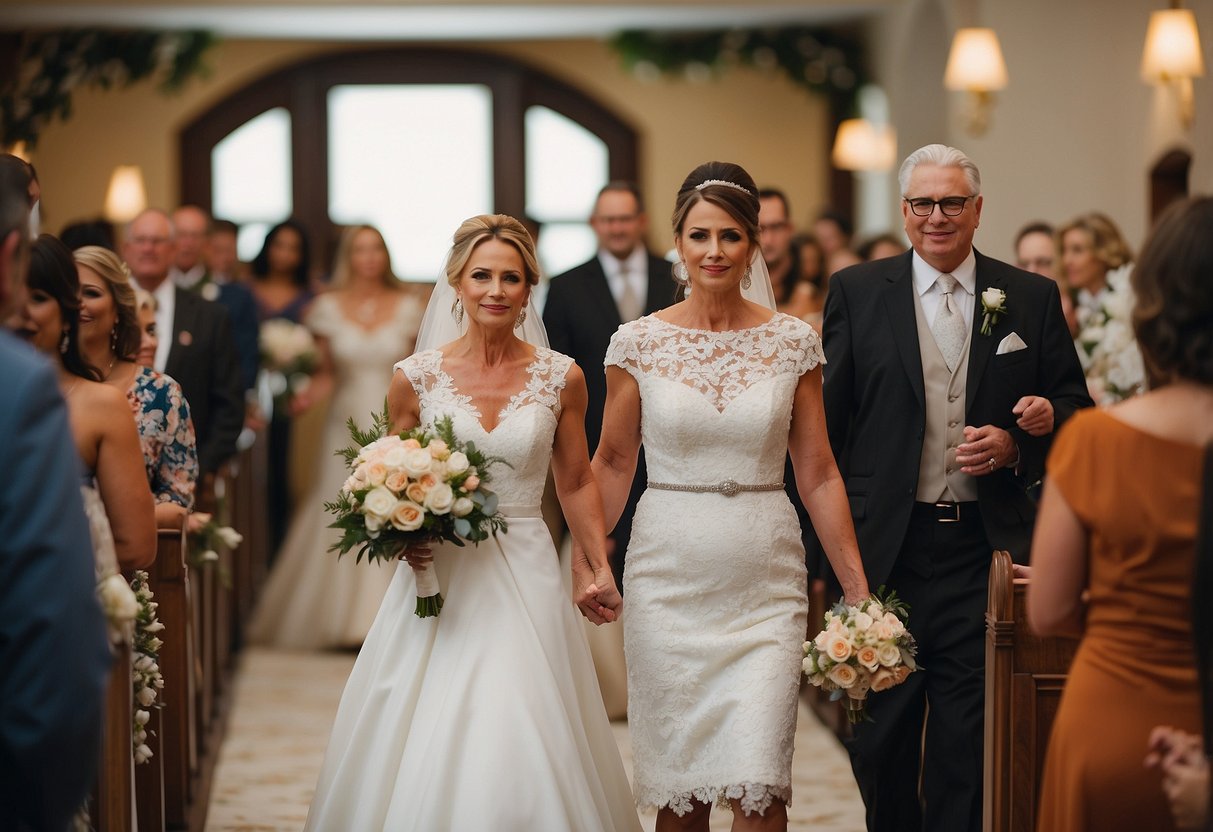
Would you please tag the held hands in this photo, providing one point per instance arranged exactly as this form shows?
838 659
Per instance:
1185 774
1035 415
594 590
985 450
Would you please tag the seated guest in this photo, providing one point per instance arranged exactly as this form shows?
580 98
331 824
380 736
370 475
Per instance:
1113 555
101 426
110 338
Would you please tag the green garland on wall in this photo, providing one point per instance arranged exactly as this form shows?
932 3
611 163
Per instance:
821 60
51 65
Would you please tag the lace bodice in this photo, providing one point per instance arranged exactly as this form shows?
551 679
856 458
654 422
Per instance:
524 429
716 405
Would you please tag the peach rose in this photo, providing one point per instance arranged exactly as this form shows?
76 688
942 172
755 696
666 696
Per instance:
883 679
843 675
438 449
867 657
411 444
416 492
376 473
397 481
471 483
838 648
407 516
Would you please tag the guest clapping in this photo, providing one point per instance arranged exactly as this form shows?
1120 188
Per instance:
100 417
1113 555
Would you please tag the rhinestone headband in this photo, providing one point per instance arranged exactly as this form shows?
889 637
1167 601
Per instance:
733 185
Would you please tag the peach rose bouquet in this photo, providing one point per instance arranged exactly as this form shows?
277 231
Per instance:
862 648
416 488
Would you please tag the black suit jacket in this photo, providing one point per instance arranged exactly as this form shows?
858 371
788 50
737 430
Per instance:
874 399
202 359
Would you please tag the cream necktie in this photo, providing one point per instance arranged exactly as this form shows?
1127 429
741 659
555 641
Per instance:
631 305
949 326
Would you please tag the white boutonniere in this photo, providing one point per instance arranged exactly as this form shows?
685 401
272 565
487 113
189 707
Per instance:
993 304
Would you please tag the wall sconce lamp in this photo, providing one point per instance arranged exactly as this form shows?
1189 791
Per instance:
126 196
975 65
1172 55
862 145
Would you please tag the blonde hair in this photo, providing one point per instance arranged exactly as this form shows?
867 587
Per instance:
345 251
474 231
1108 243
111 269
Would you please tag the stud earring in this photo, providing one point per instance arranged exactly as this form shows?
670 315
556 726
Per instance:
457 311
745 280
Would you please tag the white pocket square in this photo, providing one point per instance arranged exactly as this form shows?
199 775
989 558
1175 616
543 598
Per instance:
1012 343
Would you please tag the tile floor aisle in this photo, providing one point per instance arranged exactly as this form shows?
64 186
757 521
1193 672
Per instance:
284 706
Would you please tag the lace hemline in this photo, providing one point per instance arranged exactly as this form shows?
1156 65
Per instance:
752 797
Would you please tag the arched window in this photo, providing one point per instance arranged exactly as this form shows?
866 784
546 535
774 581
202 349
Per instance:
412 140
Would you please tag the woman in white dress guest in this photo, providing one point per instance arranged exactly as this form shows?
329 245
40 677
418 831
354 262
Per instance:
488 716
715 578
365 323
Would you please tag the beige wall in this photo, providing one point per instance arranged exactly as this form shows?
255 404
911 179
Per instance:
1076 130
762 121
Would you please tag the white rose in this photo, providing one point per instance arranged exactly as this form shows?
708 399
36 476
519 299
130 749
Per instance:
993 298
142 716
462 507
888 655
438 449
142 754
395 457
146 696
230 537
379 503
809 665
440 498
457 462
417 461
862 622
843 675
117 599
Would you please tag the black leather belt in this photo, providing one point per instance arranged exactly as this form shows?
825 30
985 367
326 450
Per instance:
948 512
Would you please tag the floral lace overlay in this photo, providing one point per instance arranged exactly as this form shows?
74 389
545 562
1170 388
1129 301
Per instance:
715 584
525 426
720 365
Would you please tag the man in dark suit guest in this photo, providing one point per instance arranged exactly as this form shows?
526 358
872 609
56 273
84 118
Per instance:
53 647
947 374
190 272
196 346
586 304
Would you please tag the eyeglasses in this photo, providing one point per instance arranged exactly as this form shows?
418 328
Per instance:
951 206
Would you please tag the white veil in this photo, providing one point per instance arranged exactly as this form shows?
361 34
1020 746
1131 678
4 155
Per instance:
761 291
438 325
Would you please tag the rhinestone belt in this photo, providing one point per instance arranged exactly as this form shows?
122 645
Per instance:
728 488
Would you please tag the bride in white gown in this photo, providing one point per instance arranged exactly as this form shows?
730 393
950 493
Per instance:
487 716
715 575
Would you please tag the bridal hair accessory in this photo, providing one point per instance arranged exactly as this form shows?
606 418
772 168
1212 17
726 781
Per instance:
723 183
747 278
680 273
521 318
457 311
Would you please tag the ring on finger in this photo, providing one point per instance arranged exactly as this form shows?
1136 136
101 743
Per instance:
991 463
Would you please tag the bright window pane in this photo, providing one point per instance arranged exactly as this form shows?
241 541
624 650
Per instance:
414 161
565 245
252 177
566 165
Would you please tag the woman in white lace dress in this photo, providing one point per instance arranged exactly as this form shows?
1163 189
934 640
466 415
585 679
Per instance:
487 716
715 578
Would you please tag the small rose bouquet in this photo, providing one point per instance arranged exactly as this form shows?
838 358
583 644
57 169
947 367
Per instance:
145 669
1107 347
864 647
415 488
288 353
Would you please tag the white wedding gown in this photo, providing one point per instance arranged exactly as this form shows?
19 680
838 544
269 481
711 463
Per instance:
488 716
715 584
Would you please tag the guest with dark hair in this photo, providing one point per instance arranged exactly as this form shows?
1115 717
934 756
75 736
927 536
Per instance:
879 247
53 645
94 232
1036 252
222 254
281 272
1113 555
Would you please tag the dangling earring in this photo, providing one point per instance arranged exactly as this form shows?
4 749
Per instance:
521 318
457 311
745 280
63 343
114 339
680 273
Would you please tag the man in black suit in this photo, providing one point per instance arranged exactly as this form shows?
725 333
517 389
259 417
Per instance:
53 646
939 423
196 346
586 304
192 226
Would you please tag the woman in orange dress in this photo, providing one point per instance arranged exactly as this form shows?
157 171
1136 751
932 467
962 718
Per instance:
1114 549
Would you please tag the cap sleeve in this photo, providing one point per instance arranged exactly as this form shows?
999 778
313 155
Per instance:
323 317
802 345
1072 464
622 351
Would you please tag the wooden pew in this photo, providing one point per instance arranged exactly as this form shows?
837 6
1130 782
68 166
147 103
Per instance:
113 807
1025 675
176 740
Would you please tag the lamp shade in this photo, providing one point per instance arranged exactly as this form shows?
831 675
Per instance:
863 145
975 62
126 196
1172 47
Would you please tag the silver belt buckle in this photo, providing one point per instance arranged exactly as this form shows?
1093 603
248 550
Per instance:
729 488
941 508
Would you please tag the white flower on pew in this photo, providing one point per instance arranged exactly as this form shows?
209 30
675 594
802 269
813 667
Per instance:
145 668
118 601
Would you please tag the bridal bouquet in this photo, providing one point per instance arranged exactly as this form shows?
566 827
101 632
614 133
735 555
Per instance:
416 488
288 353
1107 348
864 647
